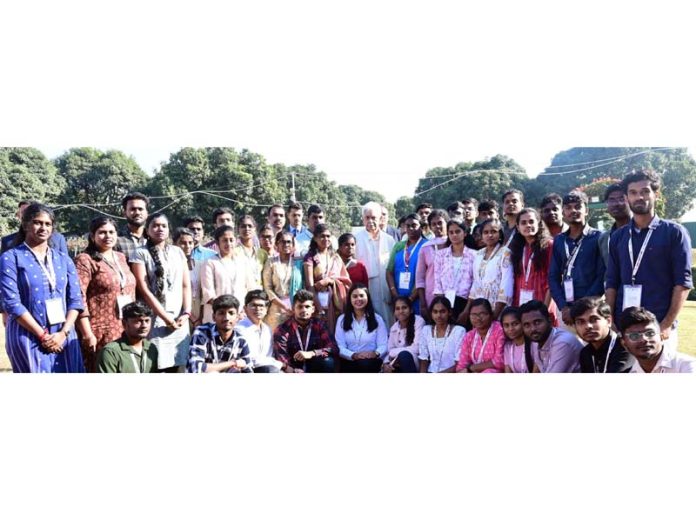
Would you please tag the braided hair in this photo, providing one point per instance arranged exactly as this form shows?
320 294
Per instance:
156 258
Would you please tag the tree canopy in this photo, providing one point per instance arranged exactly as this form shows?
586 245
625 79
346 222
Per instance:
25 173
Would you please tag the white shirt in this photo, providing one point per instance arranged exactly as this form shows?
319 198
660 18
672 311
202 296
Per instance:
260 341
669 362
358 339
443 353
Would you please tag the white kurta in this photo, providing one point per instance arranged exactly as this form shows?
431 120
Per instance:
375 255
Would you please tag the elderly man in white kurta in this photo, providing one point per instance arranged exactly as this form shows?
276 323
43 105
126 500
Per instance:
373 247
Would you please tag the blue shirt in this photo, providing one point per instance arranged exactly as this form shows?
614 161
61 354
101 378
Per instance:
201 253
588 269
666 264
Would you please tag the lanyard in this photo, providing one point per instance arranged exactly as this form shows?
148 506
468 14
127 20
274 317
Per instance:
483 345
139 369
444 344
636 264
359 326
457 273
117 269
512 235
606 361
528 269
484 261
304 346
570 258
407 253
46 267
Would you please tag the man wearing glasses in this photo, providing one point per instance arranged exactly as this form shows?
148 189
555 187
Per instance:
257 334
640 331
197 226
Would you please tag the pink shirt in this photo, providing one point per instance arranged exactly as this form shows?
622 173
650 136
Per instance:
397 340
448 276
473 350
425 270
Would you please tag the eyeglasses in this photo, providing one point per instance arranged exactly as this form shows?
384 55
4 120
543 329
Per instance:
647 334
285 241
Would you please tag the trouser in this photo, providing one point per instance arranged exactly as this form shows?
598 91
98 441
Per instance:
361 365
319 364
404 363
266 369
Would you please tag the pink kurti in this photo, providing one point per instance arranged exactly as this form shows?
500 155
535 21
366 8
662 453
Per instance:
425 269
448 276
514 357
473 350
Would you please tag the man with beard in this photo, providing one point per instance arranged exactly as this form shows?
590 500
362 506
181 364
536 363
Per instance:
133 353
604 352
577 268
373 248
133 235
513 202
617 207
640 331
649 259
552 214
553 349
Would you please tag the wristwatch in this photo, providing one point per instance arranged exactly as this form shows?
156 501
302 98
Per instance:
377 354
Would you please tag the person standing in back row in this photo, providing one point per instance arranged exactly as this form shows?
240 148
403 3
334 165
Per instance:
577 268
649 259
513 203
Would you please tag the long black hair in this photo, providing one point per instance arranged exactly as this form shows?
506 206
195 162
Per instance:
313 246
446 303
30 212
411 326
94 225
155 253
542 240
369 309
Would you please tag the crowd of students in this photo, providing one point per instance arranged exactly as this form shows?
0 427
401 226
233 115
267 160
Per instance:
463 289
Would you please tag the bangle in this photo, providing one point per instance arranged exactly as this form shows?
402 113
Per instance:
186 313
43 336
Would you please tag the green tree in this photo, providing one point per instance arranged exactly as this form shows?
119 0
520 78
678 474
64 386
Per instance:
487 179
582 166
198 180
404 206
356 197
26 173
95 179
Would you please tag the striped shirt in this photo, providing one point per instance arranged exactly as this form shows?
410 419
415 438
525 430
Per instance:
208 347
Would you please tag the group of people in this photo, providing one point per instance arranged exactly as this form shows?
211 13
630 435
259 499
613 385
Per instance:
475 287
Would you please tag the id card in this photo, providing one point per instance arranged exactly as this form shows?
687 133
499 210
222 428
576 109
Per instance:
121 301
55 314
405 281
632 295
451 295
323 298
526 295
569 291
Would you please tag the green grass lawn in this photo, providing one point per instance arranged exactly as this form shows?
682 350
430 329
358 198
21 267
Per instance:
687 335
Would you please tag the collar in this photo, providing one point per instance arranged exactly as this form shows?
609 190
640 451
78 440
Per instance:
297 230
549 340
585 231
126 347
653 223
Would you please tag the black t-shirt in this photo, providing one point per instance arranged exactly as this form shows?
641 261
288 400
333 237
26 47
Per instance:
592 360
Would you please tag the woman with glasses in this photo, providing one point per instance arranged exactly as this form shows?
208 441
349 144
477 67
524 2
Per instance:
163 282
267 240
482 348
282 278
326 276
